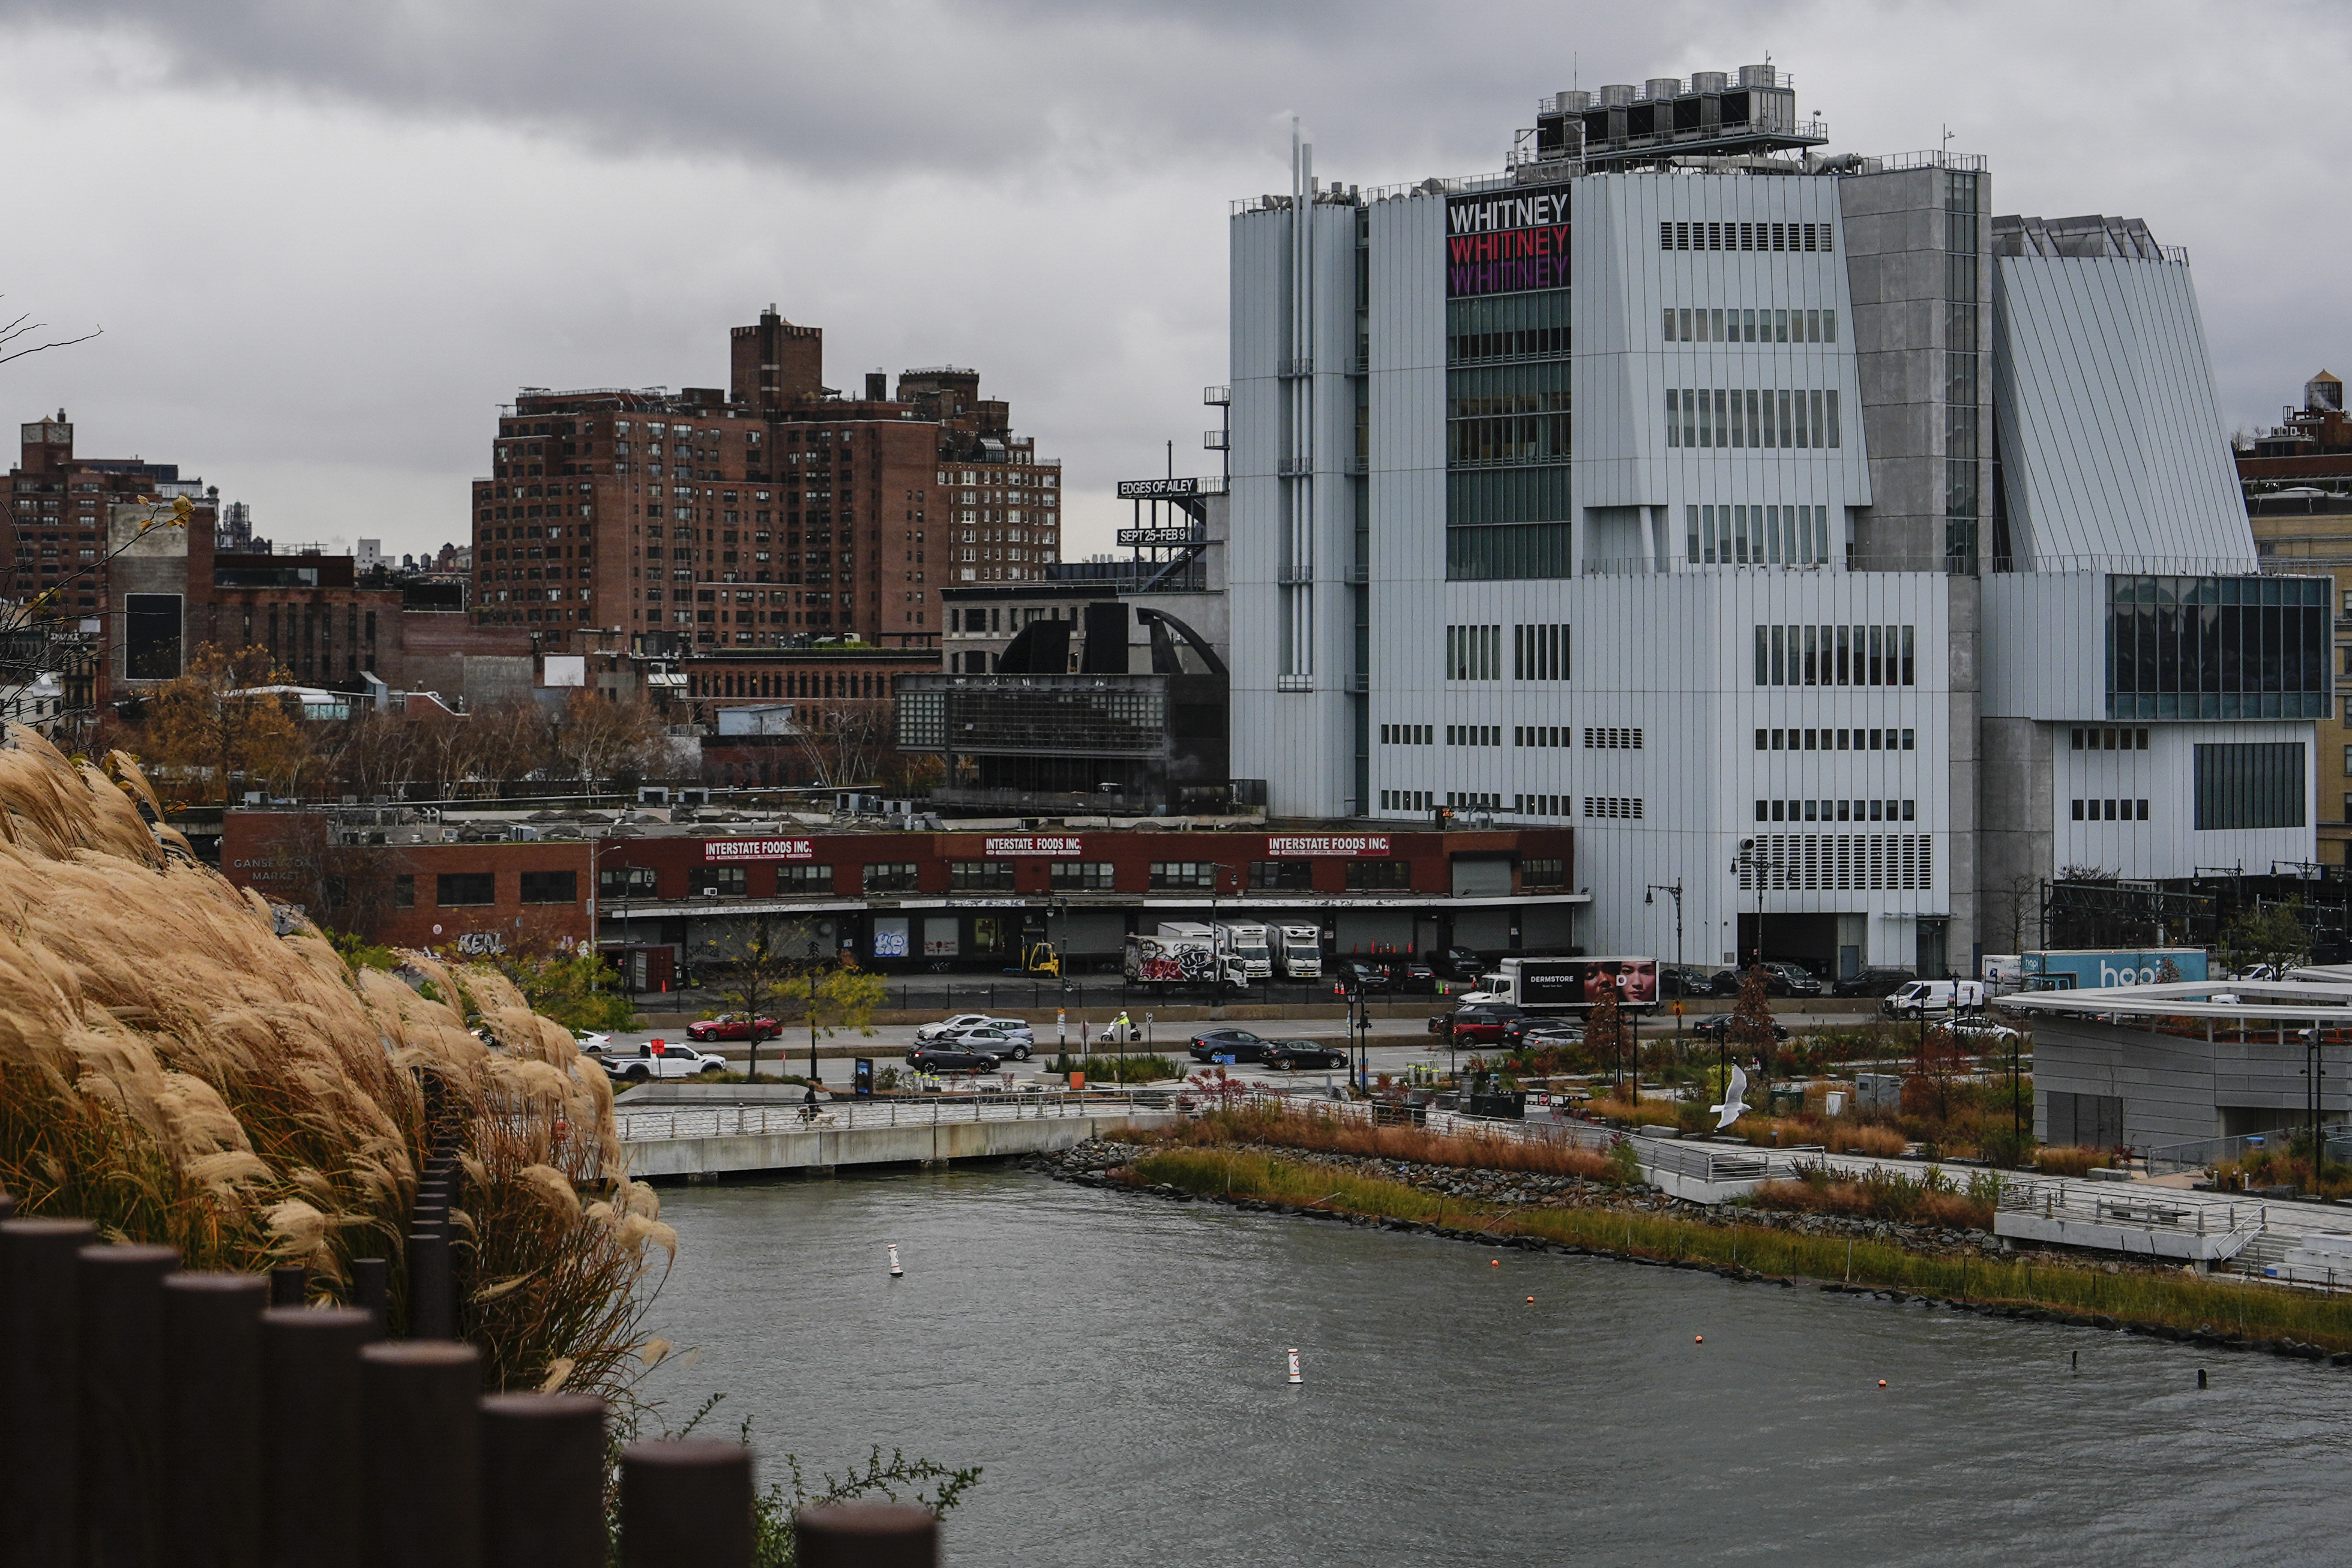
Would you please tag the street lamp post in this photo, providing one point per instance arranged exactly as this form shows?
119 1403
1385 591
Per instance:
812 1013
1674 891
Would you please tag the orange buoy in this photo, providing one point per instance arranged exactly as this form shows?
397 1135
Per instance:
1494 1262
1882 1382
1531 1300
1699 1338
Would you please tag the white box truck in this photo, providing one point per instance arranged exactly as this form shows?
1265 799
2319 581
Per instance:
1300 949
1246 940
1182 952
1540 983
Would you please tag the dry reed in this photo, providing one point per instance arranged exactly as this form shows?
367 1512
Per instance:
1284 1128
174 1069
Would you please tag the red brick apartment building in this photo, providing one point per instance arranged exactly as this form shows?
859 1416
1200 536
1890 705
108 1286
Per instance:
150 597
919 899
773 510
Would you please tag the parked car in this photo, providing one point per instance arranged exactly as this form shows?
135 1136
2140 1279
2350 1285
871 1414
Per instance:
1459 963
1982 1033
1786 980
1481 1023
1291 1055
1718 1029
948 1026
1356 974
1238 1043
1678 980
1011 1028
1416 976
995 1041
733 1025
928 1058
592 1043
1873 982
672 1060
1725 982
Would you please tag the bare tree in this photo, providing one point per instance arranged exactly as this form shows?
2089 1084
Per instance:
846 743
15 337
598 740
2014 901
378 754
509 742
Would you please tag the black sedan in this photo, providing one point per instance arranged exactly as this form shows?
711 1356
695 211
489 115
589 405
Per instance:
1718 1028
931 1058
1355 975
1289 1055
1876 982
1681 980
1238 1043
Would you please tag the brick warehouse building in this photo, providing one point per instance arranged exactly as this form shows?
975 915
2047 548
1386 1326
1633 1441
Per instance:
916 900
773 510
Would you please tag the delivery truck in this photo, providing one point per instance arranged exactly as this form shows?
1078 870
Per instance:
1298 950
1572 985
1181 953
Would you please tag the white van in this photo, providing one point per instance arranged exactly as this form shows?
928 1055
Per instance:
1921 998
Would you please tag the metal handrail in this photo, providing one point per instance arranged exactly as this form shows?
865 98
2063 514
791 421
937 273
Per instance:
2139 1207
666 1122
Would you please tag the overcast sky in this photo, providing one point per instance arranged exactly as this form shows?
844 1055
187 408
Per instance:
326 241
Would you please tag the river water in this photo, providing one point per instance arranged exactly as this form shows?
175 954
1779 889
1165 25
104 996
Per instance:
1117 1364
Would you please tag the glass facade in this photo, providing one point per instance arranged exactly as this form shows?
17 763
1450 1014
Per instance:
1509 437
2217 647
2258 786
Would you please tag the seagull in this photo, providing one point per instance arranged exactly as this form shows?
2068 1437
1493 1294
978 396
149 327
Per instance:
1731 1110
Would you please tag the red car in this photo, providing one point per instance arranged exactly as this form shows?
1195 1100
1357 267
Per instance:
732 1026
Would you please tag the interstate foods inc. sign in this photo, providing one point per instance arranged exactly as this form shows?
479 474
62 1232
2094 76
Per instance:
1505 243
717 850
1350 844
1070 846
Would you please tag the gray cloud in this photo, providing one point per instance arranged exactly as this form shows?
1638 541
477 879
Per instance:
849 90
327 240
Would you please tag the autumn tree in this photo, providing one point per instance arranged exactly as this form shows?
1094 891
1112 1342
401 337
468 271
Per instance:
2270 935
1604 1031
1751 1028
210 719
832 997
754 963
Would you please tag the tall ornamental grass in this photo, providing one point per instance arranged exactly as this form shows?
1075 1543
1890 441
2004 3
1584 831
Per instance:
174 1069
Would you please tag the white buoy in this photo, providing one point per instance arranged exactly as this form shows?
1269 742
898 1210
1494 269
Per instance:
896 1273
1294 1366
